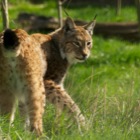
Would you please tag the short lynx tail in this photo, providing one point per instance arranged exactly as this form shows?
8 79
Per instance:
10 39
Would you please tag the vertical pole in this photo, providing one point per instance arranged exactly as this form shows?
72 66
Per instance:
5 16
59 6
118 9
138 11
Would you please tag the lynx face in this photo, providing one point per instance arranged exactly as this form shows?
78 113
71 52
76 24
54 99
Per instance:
78 45
77 42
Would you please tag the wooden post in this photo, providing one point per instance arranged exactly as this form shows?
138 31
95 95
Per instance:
5 16
59 6
138 11
118 9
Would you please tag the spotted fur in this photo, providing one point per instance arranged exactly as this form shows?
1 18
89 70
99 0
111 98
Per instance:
32 63
22 71
65 47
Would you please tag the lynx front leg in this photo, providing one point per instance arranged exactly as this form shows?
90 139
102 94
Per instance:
7 104
12 116
60 98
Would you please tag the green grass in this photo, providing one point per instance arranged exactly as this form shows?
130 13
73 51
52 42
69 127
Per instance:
106 86
109 82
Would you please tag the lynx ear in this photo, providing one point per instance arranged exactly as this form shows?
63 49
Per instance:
69 24
90 26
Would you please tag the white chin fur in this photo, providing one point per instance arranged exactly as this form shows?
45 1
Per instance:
74 60
79 61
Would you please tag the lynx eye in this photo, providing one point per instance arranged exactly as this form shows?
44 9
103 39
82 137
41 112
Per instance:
88 43
77 44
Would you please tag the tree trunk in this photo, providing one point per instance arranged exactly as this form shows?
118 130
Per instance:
5 17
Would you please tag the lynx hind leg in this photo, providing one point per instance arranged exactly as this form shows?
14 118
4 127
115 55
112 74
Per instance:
62 101
7 102
23 111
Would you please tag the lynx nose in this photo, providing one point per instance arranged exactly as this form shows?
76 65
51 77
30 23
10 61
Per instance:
84 56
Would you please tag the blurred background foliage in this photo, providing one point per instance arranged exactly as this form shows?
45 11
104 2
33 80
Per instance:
106 87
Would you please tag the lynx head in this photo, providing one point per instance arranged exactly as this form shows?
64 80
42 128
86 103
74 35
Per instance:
76 41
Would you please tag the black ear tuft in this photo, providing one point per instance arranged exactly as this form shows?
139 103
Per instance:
10 39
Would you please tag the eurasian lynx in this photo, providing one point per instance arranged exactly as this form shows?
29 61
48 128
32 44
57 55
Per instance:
64 47
27 59
22 67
